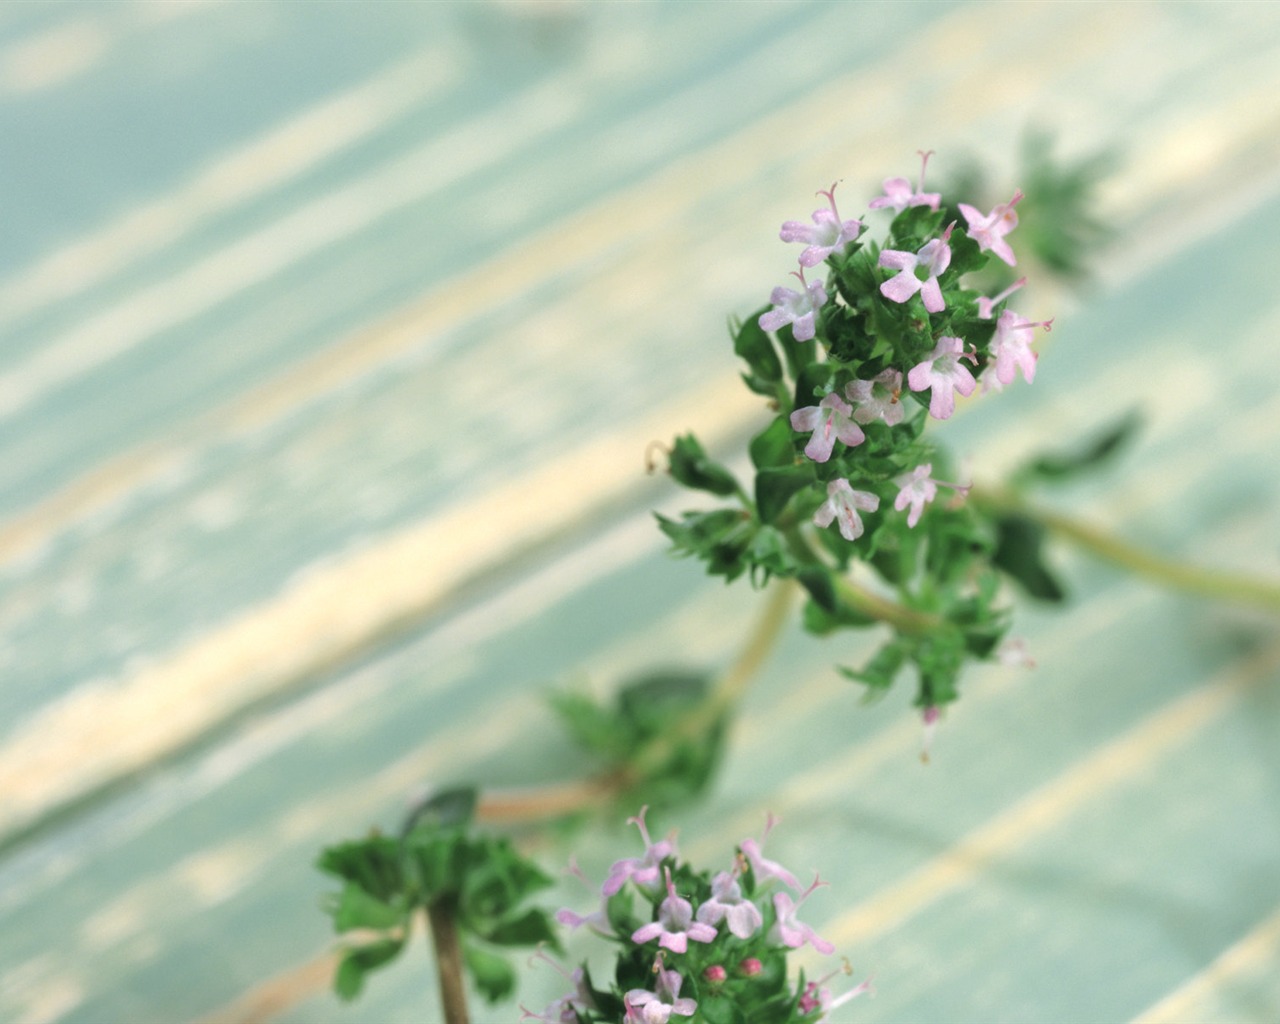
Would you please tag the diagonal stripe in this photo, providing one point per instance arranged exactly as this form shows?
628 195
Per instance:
264 163
1112 764
1257 954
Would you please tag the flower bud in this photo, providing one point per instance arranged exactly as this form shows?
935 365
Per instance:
715 974
750 967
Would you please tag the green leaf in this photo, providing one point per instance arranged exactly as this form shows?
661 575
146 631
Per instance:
373 864
529 929
449 807
493 976
939 656
1058 466
357 909
1019 540
776 486
719 538
691 466
437 860
879 673
774 446
753 346
594 727
769 556
348 980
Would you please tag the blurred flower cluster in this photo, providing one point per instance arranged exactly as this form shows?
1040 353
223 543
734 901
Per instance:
699 945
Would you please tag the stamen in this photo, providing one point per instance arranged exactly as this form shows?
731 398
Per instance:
924 163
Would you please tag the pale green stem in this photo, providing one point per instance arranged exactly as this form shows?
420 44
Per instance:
1216 583
559 799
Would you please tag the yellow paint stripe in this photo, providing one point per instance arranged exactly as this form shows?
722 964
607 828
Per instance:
319 619
1114 763
1256 955
644 212
266 162
268 251
898 742
101 733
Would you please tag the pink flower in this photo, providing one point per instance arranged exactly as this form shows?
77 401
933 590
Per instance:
898 194
829 420
675 925
918 489
877 398
762 868
728 903
644 1007
644 871
565 1009
987 306
943 373
929 717
1012 347
934 256
791 932
817 997
799 309
1014 652
843 503
824 236
989 231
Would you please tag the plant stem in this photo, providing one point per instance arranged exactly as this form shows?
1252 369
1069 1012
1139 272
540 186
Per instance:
558 799
442 917
1216 583
728 688
904 619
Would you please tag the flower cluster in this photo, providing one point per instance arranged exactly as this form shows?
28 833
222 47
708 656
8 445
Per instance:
855 366
952 322
698 945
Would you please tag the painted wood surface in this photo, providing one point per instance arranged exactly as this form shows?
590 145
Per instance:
331 337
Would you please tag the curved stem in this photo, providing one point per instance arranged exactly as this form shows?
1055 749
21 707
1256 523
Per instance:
728 688
1216 583
558 799
900 617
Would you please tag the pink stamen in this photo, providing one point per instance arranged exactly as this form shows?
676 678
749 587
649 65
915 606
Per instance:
831 198
924 163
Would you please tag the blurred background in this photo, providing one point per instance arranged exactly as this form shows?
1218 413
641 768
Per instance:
331 339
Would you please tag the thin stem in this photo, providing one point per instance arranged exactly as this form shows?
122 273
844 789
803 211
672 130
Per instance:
558 799
442 917
1216 583
728 688
900 617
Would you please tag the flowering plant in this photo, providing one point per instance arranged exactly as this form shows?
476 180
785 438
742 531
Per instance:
853 501
855 368
692 944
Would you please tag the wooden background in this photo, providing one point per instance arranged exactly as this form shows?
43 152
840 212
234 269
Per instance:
331 336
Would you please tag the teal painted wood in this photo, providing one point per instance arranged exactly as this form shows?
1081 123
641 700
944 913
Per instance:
191 885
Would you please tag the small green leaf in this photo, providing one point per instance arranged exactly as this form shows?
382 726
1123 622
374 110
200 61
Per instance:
446 808
1093 454
691 466
357 909
753 346
1019 540
879 673
720 538
774 446
775 487
493 976
530 928
373 864
348 980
